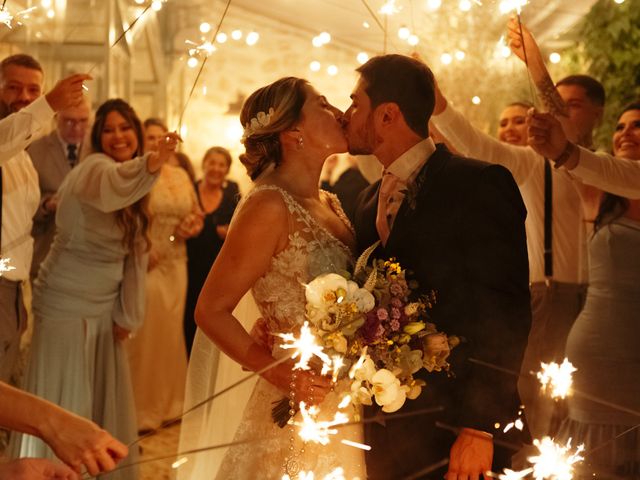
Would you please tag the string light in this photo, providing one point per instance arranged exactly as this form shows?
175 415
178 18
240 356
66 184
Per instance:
156 5
325 37
413 40
362 58
192 62
332 70
366 25
446 58
389 8
205 27
221 37
464 5
460 55
404 32
434 4
476 100
236 34
315 66
554 57
252 38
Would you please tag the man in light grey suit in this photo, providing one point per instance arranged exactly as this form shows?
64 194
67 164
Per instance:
53 157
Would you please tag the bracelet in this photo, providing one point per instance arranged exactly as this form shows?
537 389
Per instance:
565 155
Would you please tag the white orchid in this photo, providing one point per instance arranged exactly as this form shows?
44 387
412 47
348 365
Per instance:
389 394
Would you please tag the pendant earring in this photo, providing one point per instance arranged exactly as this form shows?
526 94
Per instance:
300 143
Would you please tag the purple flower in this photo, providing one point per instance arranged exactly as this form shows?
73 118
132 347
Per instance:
395 325
370 328
396 302
379 332
382 314
395 313
396 289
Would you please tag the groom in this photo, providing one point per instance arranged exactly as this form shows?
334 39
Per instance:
458 225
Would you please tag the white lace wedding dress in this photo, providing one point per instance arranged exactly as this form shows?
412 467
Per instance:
280 299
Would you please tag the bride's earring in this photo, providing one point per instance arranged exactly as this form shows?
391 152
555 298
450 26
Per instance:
300 143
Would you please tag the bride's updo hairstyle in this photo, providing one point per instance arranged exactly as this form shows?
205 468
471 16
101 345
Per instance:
265 114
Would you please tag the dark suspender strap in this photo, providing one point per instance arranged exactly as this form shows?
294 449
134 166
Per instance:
548 220
0 210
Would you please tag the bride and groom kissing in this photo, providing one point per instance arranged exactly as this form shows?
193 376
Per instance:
456 223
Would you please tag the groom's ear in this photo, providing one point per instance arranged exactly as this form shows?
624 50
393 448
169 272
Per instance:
387 114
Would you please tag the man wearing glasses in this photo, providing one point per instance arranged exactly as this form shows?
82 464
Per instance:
53 157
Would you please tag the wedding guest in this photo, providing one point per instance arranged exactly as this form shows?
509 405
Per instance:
602 343
53 158
512 124
75 440
555 224
218 198
21 80
155 130
159 345
89 293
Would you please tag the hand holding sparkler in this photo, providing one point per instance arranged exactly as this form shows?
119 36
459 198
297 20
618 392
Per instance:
471 455
166 147
522 43
67 92
547 137
307 386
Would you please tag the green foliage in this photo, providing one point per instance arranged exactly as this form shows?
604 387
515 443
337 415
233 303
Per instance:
609 47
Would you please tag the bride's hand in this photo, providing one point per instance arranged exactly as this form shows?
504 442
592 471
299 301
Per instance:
308 387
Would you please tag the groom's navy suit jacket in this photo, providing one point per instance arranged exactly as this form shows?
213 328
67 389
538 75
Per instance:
462 236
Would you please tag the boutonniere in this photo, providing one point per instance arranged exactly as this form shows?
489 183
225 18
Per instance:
413 189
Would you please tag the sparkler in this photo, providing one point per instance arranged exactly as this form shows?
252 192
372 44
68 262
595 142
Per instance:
5 266
557 379
7 18
206 48
305 347
337 474
317 431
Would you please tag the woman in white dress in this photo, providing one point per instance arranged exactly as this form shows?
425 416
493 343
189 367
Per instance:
285 232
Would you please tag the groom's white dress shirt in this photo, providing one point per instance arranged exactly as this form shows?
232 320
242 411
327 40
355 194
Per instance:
406 168
20 193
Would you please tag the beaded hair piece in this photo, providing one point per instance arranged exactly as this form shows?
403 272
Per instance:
257 123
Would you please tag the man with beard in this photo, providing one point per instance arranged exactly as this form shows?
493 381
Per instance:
458 224
21 80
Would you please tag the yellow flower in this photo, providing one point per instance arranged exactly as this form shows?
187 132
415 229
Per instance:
412 328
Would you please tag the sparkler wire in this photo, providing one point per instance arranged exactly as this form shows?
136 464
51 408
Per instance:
201 69
526 61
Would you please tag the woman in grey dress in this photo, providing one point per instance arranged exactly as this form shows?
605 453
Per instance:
89 293
602 344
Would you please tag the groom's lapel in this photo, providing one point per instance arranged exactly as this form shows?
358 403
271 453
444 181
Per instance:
418 195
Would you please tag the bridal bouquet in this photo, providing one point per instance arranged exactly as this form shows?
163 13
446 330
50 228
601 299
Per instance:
380 328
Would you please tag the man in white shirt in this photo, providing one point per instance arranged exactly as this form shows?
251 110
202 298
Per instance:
21 79
53 157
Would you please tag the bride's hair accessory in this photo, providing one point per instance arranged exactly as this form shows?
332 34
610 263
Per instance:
257 123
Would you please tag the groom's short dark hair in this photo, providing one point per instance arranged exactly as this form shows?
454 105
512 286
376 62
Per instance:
404 81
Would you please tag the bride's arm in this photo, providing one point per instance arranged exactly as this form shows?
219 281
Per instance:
257 234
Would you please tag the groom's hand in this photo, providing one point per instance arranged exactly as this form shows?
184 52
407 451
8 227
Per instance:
471 455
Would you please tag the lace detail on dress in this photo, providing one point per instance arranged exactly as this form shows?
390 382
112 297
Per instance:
279 294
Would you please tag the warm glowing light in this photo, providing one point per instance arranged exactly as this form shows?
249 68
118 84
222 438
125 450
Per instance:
332 70
252 38
5 266
476 100
557 379
460 55
446 58
413 40
555 57
236 34
183 131
366 25
192 62
555 461
434 4
156 5
389 8
337 474
619 2
404 32
507 6
221 37
464 5
206 48
205 27
305 347
178 463
46 3
361 446
51 13
317 431
362 58
315 66
234 132
139 2
324 37
316 42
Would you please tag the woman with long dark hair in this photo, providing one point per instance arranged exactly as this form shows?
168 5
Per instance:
89 294
602 344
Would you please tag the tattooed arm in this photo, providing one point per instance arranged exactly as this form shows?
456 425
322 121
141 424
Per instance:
521 40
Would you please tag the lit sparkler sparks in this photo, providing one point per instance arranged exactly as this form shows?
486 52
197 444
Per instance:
7 19
337 362
5 266
507 6
317 431
557 378
555 461
205 48
337 474
306 348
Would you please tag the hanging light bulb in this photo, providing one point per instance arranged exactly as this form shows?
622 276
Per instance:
252 38
413 40
315 66
205 27
555 57
362 58
404 32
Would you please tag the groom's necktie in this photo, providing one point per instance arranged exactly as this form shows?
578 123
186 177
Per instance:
385 205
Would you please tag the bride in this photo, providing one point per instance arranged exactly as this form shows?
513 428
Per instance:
285 232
